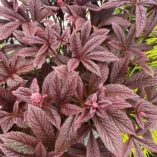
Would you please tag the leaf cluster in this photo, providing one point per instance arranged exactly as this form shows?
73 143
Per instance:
68 84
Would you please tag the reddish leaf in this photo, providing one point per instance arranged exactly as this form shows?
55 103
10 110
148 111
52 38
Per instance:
73 64
12 68
7 29
52 87
32 39
95 80
119 90
21 65
40 57
109 134
53 116
40 150
113 4
18 144
86 53
34 86
57 88
9 152
121 120
6 121
35 9
127 148
147 144
100 33
138 151
9 14
147 69
83 55
119 70
116 19
29 51
69 88
85 31
15 5
70 109
92 147
68 135
23 94
102 56
92 43
139 79
118 104
29 28
79 89
91 66
40 124
77 150
140 19
119 33
75 44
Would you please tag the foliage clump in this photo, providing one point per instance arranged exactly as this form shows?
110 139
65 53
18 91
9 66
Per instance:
69 82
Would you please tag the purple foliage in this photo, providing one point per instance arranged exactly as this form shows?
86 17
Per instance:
66 90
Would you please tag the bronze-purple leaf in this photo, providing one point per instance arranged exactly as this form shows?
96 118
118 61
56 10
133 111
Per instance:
40 124
92 147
